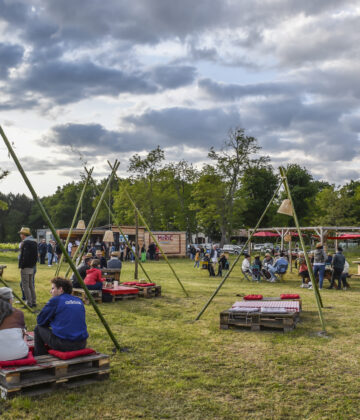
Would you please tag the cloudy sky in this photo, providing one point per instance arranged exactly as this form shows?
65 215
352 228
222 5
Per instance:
108 79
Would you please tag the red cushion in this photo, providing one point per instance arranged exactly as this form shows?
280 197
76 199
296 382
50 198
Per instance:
145 284
290 296
65 355
253 297
130 283
29 360
121 290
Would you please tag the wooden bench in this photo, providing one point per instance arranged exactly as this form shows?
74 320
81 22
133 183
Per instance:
111 274
51 373
96 294
120 293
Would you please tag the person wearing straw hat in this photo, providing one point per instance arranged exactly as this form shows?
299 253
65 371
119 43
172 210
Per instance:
27 262
12 328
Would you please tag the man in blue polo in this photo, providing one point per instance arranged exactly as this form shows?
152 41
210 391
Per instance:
61 323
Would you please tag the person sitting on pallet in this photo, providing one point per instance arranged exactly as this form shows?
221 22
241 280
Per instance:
256 269
280 267
12 328
99 256
82 269
304 271
246 266
93 279
61 323
114 261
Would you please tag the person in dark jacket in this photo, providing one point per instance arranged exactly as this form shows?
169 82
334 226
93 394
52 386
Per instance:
27 263
114 261
319 263
338 263
82 268
42 248
61 323
50 252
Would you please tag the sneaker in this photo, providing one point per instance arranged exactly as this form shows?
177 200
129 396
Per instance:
272 281
345 288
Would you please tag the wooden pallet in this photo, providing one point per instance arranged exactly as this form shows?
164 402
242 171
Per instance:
149 291
121 297
96 294
256 321
51 373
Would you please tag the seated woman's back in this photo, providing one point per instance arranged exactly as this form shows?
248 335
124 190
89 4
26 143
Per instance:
12 325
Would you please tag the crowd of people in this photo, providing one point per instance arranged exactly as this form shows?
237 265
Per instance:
268 269
213 260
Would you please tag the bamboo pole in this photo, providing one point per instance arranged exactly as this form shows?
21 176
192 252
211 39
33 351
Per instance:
121 231
311 273
53 230
251 233
17 296
153 237
58 268
136 273
81 248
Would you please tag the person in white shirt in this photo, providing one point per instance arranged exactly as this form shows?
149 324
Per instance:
246 266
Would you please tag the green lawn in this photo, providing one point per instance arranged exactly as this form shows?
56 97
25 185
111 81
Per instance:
180 369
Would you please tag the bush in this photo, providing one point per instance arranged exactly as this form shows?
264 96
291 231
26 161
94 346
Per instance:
11 246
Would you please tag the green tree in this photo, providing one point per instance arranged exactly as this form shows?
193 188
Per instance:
238 154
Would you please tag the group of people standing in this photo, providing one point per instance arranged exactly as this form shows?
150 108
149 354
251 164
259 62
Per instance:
321 261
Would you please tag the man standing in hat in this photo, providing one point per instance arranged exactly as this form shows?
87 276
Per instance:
27 262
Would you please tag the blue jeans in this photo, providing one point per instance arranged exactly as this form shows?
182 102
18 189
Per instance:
321 270
50 258
197 264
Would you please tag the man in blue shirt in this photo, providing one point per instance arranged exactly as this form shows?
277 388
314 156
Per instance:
280 267
61 323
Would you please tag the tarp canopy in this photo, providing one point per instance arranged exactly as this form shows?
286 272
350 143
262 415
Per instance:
266 234
345 236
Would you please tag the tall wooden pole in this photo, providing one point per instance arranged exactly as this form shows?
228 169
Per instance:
58 268
308 263
114 218
53 230
251 233
152 236
136 274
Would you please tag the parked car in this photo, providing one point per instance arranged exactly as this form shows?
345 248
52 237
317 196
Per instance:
232 249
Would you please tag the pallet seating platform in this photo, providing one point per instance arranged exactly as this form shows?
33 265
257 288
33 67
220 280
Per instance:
51 373
256 321
149 291
121 292
96 294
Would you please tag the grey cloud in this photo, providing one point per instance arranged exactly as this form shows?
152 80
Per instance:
10 56
67 82
191 126
93 139
231 92
172 76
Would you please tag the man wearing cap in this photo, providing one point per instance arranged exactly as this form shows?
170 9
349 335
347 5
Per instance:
114 261
99 256
12 327
27 262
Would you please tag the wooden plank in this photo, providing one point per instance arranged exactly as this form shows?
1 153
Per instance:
149 291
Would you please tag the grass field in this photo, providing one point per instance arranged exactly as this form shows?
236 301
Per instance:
180 369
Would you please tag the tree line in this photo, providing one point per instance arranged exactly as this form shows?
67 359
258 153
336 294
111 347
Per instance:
228 193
